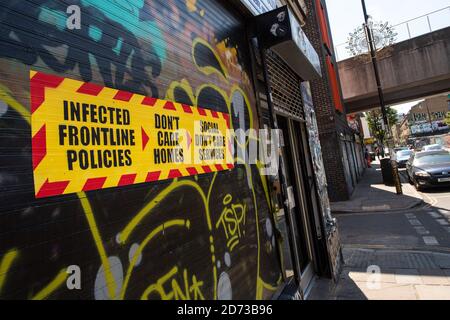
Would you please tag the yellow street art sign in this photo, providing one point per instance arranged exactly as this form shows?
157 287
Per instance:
87 137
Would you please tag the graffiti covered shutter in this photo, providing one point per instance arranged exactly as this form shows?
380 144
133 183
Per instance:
201 237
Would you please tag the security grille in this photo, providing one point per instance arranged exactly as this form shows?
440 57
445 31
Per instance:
285 85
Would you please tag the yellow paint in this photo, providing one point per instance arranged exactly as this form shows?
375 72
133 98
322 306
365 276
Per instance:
52 286
87 209
189 290
144 212
153 234
183 84
265 186
232 221
261 286
125 234
60 278
137 159
247 103
209 70
219 90
258 266
5 95
5 265
191 5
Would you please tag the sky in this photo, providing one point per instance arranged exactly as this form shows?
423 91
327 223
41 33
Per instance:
346 15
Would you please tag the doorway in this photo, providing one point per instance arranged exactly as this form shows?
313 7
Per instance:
300 201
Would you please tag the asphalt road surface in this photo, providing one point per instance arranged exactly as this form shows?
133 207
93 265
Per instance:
423 228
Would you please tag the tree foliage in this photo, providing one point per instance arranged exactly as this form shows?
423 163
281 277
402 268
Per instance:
375 121
447 119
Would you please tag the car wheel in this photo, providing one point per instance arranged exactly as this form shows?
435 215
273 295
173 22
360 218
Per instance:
418 187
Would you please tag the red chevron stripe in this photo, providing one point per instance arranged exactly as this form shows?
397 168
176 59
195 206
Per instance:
39 146
123 96
126 180
94 184
170 106
187 108
230 166
219 167
153 176
226 116
148 101
90 89
207 169
145 139
50 189
192 171
175 173
214 114
38 83
201 111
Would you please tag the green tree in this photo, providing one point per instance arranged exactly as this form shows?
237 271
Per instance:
447 119
375 120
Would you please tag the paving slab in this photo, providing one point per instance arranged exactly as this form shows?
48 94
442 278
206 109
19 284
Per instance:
424 275
386 276
407 276
434 277
389 292
425 292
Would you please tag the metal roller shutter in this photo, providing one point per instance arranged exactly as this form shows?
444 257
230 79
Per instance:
285 85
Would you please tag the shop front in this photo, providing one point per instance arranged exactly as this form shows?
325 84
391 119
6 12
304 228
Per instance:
96 184
287 62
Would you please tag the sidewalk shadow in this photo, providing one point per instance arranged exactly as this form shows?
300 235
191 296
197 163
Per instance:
344 289
372 195
383 274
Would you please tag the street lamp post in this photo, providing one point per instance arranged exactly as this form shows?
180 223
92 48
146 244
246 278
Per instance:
373 56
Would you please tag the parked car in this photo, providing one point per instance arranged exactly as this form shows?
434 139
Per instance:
432 147
402 157
429 169
400 149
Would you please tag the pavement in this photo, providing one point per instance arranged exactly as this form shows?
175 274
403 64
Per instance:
371 195
400 253
371 274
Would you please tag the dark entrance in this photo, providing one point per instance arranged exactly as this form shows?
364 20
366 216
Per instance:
297 200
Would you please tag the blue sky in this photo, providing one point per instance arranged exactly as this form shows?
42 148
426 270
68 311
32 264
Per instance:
346 15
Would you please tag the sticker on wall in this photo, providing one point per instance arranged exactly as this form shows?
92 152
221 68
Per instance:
87 137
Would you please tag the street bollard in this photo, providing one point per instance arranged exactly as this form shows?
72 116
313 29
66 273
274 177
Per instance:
396 175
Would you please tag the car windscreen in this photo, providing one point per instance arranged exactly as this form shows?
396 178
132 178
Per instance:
431 159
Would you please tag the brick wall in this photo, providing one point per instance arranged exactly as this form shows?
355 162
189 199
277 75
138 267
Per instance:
329 121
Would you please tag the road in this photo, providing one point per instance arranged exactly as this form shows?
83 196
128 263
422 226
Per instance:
408 251
423 228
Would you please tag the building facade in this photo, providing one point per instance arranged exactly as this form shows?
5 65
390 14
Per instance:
209 232
401 131
342 165
427 117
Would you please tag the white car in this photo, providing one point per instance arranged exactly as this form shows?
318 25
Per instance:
432 147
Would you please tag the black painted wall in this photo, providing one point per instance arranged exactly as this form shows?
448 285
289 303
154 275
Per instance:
166 240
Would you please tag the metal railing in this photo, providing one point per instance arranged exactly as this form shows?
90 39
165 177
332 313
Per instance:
408 29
